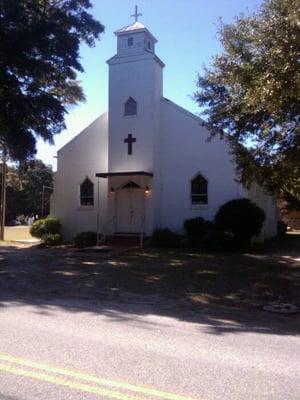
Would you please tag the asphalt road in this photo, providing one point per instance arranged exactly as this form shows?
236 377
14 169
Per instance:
66 351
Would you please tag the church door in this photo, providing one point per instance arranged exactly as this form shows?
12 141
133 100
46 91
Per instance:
130 209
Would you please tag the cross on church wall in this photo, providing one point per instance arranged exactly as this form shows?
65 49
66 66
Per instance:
129 140
136 14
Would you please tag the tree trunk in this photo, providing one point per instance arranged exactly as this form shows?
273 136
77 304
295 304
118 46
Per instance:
3 193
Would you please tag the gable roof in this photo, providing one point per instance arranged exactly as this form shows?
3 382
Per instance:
183 110
82 133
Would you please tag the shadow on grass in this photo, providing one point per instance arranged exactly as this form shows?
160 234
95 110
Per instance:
222 292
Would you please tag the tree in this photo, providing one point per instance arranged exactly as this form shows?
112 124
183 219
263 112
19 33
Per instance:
28 186
290 202
15 198
39 61
251 95
36 178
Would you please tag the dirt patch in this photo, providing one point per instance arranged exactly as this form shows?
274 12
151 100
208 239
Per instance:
247 280
18 233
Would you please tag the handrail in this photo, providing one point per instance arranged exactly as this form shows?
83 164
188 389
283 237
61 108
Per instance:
103 230
142 231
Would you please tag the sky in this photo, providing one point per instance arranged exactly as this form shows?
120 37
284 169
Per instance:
187 34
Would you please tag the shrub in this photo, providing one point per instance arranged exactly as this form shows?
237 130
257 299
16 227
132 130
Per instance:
49 225
52 225
164 237
37 228
217 240
196 229
85 239
241 217
52 239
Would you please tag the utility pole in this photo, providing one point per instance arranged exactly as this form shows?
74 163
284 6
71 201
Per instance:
3 193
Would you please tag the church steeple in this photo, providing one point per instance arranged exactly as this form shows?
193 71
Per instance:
135 38
135 94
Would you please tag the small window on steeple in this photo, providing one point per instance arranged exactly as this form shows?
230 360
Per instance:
149 45
130 107
130 41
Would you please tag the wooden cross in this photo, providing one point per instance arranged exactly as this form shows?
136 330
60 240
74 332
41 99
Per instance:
129 140
136 14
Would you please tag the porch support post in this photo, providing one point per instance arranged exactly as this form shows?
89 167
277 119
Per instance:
98 211
143 217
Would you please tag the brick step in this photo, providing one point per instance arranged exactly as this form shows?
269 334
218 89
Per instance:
123 240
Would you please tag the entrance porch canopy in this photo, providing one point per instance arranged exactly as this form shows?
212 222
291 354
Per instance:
129 173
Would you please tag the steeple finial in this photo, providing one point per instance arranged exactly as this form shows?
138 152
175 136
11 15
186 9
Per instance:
136 14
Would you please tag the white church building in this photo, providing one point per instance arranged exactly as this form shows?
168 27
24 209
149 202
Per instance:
146 163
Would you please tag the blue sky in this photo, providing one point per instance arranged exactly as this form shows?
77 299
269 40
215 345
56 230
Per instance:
187 39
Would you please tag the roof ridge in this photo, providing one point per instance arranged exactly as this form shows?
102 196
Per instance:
131 27
82 132
184 110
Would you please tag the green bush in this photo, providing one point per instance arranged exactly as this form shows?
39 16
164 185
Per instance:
49 225
240 217
216 241
52 239
196 229
37 228
165 238
85 239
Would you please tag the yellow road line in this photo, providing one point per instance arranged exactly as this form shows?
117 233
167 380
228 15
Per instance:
90 378
69 384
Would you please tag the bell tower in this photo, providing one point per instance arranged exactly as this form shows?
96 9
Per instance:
135 93
135 38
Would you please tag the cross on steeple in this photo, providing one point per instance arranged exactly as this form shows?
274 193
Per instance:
136 14
129 141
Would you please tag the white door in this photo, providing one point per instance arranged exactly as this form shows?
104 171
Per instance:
130 210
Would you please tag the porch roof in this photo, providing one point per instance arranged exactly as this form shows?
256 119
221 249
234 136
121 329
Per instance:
129 173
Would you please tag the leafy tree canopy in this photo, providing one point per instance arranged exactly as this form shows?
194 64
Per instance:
251 94
25 189
291 203
39 61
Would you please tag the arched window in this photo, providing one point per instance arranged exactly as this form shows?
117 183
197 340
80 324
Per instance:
130 107
199 190
87 193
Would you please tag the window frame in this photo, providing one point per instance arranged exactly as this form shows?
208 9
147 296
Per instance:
126 112
87 203
130 41
201 195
